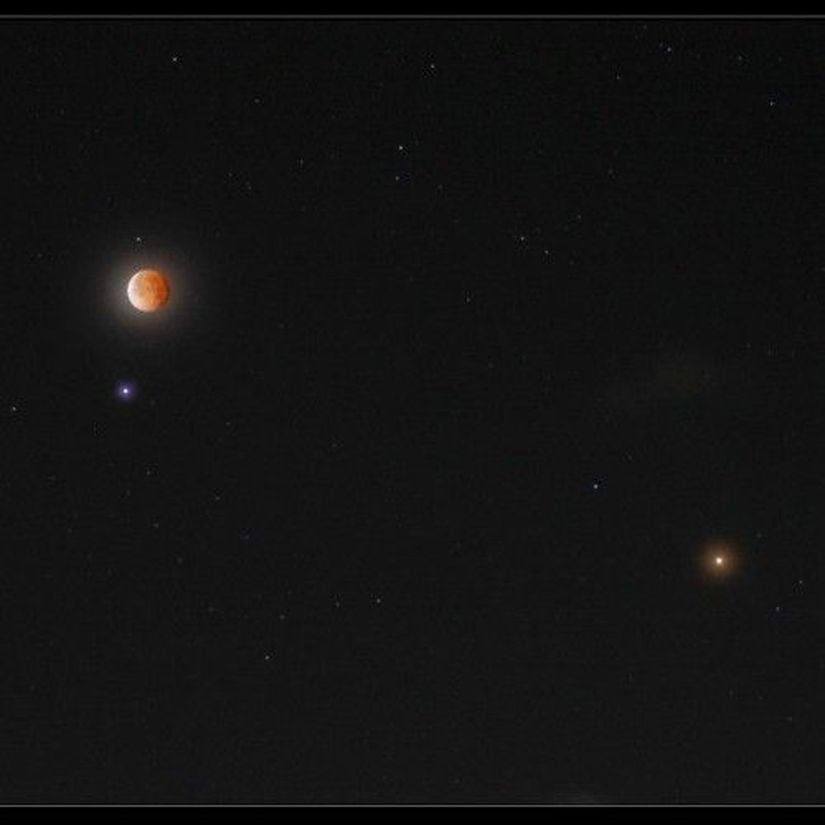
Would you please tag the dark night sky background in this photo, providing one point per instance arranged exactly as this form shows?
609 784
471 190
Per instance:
483 329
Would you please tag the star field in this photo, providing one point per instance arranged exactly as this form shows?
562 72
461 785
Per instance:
475 457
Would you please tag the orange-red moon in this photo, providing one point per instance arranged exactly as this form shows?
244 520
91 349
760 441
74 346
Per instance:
148 290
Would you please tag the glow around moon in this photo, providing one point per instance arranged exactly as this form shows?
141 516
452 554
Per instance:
148 290
150 295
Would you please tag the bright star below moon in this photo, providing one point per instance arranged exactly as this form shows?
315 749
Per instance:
125 391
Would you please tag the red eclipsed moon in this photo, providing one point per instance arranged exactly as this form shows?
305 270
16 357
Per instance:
148 290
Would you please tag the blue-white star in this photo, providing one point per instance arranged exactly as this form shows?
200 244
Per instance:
125 391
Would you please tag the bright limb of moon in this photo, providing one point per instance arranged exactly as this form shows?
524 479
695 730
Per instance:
148 290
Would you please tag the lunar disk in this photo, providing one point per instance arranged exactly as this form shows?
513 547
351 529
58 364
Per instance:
148 290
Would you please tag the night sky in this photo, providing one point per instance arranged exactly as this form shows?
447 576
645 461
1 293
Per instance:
478 453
